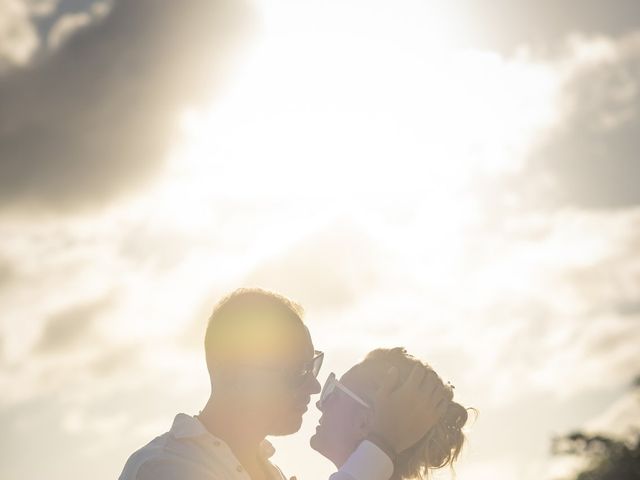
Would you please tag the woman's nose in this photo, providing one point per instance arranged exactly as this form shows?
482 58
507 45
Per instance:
316 386
319 405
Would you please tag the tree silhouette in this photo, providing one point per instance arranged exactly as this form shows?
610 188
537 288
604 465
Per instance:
608 458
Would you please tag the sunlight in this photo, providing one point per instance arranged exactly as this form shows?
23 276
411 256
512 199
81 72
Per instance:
341 112
341 119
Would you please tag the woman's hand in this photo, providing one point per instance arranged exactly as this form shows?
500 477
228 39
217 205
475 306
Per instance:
403 415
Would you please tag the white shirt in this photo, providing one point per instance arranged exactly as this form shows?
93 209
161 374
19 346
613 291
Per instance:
190 452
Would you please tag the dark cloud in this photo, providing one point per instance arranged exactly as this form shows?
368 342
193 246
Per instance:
591 159
595 154
630 308
110 362
596 170
94 119
506 24
67 328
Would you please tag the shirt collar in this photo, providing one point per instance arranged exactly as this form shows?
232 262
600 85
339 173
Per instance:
186 426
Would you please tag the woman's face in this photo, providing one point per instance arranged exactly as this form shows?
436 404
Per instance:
345 422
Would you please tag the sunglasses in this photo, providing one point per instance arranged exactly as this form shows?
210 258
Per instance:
292 378
329 389
311 368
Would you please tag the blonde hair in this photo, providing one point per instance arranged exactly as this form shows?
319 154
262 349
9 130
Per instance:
442 444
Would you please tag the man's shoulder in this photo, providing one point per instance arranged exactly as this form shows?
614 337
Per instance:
166 458
148 454
170 468
170 457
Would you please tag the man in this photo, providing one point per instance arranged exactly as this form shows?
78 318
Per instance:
263 369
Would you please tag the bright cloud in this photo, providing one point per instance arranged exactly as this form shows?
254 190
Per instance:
18 36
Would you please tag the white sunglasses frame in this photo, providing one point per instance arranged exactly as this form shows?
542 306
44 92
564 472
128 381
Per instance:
329 387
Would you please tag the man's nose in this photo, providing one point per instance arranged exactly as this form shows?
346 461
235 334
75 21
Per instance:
319 405
311 386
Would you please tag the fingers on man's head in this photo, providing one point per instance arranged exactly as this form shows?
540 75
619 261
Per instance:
389 381
434 394
431 383
415 378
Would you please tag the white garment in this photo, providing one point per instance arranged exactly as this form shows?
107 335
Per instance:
189 452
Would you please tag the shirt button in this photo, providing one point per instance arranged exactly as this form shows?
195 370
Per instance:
239 468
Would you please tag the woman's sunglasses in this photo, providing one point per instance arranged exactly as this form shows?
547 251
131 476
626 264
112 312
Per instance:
330 387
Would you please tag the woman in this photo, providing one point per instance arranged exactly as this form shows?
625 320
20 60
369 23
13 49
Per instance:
346 416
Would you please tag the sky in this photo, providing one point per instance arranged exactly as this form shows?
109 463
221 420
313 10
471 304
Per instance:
457 177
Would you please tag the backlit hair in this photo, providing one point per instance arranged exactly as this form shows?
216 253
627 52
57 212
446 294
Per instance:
247 316
443 442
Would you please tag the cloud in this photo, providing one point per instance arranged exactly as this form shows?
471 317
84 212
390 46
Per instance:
94 118
18 36
506 25
519 307
590 158
68 328
527 315
553 313
7 272
70 23
41 8
620 419
325 270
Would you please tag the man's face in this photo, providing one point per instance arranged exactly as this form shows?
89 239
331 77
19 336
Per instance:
271 390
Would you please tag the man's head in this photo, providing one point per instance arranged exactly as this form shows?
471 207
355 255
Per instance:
260 359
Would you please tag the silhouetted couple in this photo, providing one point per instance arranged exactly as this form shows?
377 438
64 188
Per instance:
388 417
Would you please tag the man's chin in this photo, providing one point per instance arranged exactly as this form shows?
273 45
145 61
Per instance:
288 427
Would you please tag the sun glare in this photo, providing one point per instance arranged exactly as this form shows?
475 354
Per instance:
343 112
340 119
343 118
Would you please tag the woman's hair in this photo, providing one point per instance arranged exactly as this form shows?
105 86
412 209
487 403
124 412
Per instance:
443 442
